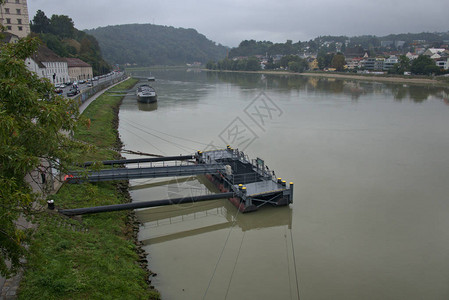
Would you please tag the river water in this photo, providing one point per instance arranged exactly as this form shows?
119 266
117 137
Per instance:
370 164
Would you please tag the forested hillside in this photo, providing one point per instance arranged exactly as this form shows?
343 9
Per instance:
329 44
61 36
148 45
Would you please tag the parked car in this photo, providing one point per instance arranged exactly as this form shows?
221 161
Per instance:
89 84
73 92
81 81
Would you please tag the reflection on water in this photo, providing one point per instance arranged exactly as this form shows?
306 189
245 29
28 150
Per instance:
353 88
222 211
147 106
370 213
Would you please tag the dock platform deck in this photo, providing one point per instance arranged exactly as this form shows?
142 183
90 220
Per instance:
251 182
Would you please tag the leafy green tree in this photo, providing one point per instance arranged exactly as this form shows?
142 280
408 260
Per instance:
338 62
54 43
402 66
32 124
40 23
424 65
324 59
62 26
211 65
297 66
271 64
60 35
252 64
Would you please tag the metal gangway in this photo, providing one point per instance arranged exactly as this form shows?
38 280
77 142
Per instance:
145 168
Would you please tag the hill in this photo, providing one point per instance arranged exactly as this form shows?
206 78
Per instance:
59 34
394 42
147 45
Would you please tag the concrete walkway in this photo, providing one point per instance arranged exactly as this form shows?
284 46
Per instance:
9 287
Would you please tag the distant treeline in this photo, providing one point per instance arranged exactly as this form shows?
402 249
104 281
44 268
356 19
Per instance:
59 34
291 62
149 45
372 44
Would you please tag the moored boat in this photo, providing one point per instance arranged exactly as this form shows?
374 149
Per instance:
146 94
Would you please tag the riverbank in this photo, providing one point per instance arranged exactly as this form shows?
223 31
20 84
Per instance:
366 77
96 256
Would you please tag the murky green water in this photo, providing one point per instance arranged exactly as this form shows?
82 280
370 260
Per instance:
370 164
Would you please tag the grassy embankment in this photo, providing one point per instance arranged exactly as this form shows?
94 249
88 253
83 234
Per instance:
93 257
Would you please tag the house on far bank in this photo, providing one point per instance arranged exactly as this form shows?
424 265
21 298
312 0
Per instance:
78 69
373 63
313 64
354 63
443 63
390 62
9 38
47 64
434 53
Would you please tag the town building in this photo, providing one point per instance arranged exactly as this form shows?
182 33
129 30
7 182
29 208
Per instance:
313 64
47 64
443 63
78 69
354 52
373 63
411 56
354 63
434 52
390 62
14 16
9 38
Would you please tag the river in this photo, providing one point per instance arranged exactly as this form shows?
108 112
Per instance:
370 163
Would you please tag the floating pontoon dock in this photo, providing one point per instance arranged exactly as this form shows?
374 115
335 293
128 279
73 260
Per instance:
248 184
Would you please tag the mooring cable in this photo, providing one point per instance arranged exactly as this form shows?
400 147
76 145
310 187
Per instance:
184 148
170 135
294 263
235 264
221 254
148 142
288 263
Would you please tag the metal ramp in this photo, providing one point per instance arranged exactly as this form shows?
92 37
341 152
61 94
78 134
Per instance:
144 172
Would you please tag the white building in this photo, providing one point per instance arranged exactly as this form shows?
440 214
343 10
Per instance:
434 51
390 62
443 63
46 64
14 16
411 56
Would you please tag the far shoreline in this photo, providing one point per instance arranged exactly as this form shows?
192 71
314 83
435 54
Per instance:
379 78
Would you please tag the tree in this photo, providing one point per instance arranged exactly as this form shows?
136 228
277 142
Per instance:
40 23
324 59
32 121
62 26
297 66
424 65
401 66
252 64
338 62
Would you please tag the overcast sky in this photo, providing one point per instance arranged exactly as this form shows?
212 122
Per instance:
228 22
